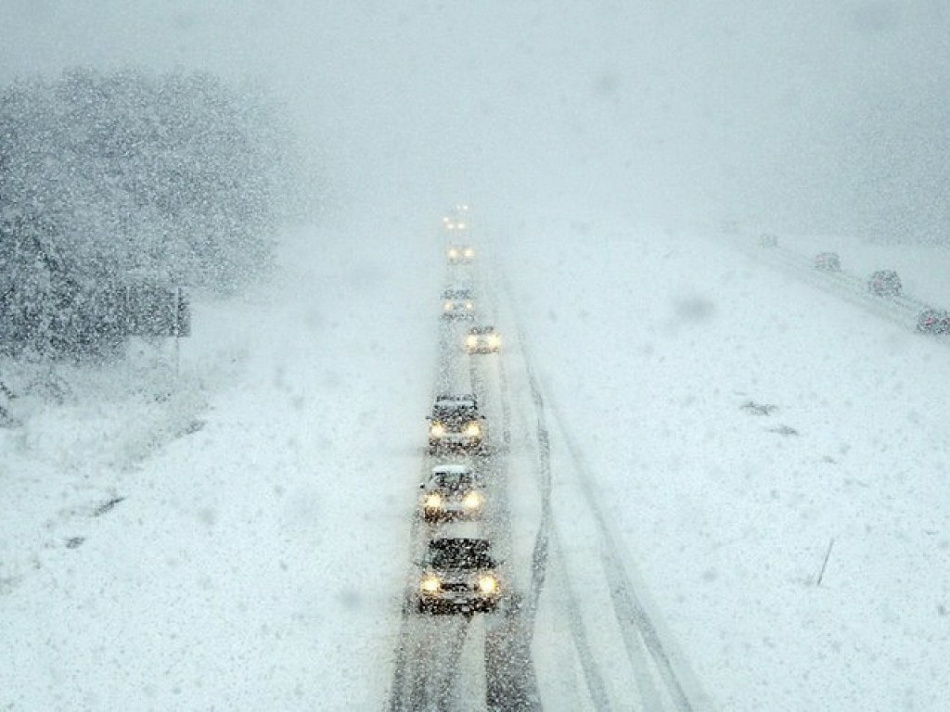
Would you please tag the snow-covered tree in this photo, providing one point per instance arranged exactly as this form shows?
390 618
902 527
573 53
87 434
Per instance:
111 179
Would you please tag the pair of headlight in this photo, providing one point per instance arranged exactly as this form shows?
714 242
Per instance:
486 584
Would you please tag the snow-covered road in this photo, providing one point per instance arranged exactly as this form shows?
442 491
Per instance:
257 558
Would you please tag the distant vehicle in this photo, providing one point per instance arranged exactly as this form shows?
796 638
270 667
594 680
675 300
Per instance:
458 303
482 340
884 283
934 321
452 492
828 262
459 576
768 239
460 254
456 424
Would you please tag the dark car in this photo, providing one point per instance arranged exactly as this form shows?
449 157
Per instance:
885 283
482 340
458 303
452 492
828 262
456 424
460 254
934 321
459 575
768 239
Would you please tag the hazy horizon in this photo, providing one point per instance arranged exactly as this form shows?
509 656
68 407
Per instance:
817 117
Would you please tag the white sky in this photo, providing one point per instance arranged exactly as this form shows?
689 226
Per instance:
808 115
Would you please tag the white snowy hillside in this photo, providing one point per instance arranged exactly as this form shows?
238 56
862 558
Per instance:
241 543
742 424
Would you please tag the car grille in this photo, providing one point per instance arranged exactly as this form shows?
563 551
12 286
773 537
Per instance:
455 586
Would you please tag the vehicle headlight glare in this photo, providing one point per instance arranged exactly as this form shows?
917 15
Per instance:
437 430
431 584
472 430
472 500
472 341
487 585
433 501
447 306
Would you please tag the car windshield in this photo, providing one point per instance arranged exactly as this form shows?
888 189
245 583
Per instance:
454 480
454 412
457 294
460 554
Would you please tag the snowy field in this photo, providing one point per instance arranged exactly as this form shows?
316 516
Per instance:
235 537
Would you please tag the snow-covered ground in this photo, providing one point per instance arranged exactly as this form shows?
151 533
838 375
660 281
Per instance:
663 351
739 423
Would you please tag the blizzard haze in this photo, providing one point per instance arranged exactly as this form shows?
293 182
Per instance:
813 116
232 520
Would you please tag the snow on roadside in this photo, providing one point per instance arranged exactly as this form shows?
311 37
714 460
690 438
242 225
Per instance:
739 422
255 562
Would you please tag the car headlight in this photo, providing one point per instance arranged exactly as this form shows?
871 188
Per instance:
472 500
437 430
453 254
469 253
472 341
469 305
487 585
433 501
447 306
472 430
430 584
494 342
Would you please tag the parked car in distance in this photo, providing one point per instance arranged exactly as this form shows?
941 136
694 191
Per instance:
828 262
884 283
934 321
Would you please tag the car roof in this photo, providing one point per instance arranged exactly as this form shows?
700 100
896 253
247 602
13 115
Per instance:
460 400
451 469
481 330
457 292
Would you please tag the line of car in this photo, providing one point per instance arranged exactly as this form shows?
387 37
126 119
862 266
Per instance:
880 283
459 572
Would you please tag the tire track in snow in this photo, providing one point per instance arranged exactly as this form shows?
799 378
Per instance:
635 623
